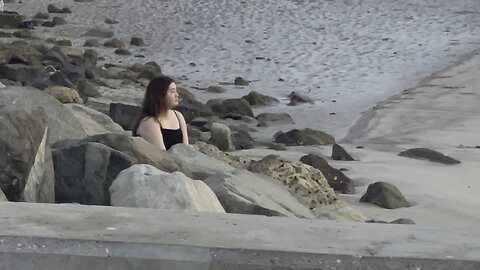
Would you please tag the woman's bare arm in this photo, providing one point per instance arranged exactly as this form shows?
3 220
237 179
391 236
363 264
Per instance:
183 127
149 129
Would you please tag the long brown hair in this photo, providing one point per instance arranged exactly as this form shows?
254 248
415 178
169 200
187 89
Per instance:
154 101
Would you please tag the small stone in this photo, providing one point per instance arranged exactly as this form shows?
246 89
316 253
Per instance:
136 41
123 52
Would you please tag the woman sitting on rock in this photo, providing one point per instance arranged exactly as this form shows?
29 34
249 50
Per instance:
159 123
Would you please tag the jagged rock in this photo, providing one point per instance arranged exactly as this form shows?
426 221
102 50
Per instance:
335 178
275 118
114 43
297 98
26 170
124 114
243 192
306 183
339 153
83 173
147 187
428 154
221 137
99 33
93 122
64 94
235 161
384 195
22 73
256 99
304 137
136 41
237 105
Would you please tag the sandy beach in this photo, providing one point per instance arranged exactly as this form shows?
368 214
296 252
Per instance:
395 65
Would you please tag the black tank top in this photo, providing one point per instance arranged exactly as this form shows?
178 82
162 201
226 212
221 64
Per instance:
171 136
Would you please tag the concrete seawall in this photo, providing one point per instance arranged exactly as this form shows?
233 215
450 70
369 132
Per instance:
43 236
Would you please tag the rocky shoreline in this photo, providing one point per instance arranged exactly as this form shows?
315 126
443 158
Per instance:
66 136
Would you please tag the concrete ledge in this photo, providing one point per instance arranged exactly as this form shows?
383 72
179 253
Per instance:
44 236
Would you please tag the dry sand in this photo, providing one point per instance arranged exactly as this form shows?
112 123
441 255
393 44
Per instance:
442 114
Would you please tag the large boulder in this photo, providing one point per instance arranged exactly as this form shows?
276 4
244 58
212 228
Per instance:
235 161
221 137
244 192
93 122
114 43
62 124
385 195
136 148
197 165
256 99
306 183
428 154
84 172
125 115
191 108
335 178
148 71
26 169
305 136
237 105
145 186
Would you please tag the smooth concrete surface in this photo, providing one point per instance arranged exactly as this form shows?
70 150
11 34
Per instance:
46 236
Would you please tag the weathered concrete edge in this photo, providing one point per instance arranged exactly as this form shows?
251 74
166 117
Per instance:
21 252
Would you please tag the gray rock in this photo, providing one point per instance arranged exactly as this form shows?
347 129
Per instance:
87 89
99 33
53 9
55 21
221 137
25 74
216 89
242 140
83 173
147 187
384 195
114 43
122 51
137 41
275 118
304 137
256 99
92 43
243 192
148 71
26 169
124 114
241 81
61 122
10 20
197 165
92 121
339 153
110 21
297 98
237 105
335 178
64 94
403 221
428 154
64 42
41 16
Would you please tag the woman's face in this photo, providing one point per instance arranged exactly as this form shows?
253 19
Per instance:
171 97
